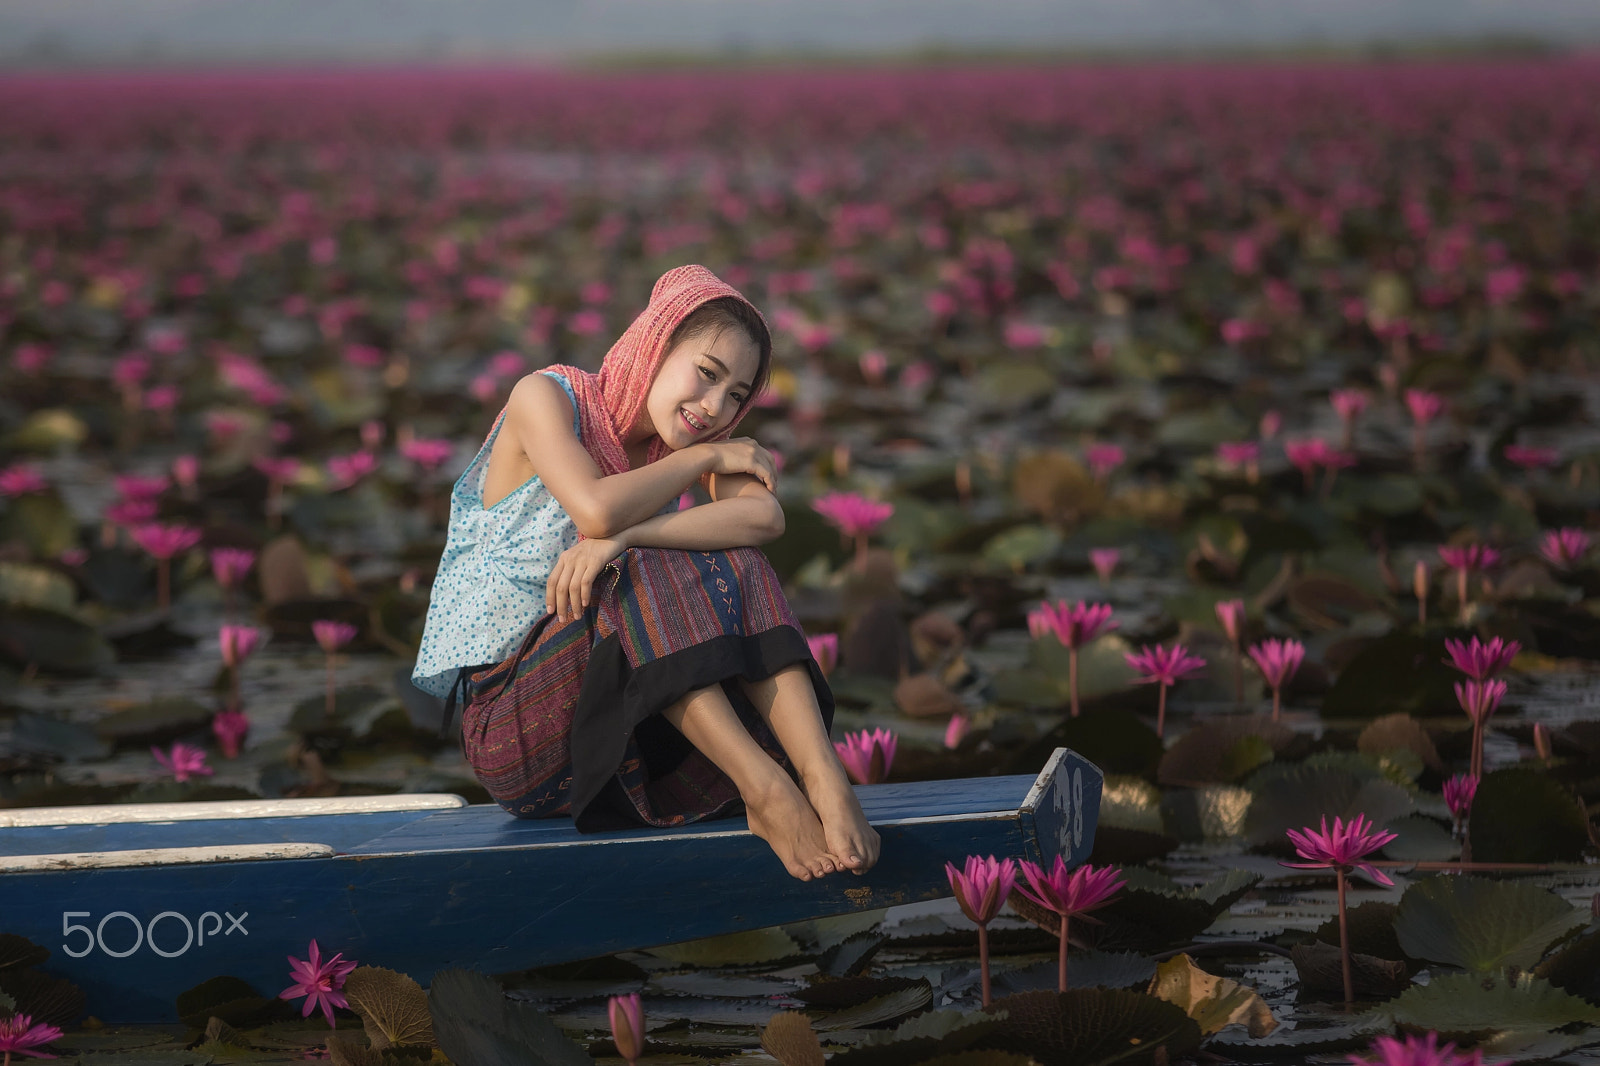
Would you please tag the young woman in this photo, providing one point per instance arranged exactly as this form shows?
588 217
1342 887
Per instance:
622 660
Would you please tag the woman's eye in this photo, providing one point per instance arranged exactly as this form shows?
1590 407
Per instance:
707 372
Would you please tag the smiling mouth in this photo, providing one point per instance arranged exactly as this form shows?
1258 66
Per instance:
689 420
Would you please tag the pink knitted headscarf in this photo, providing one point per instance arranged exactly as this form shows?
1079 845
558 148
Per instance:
613 400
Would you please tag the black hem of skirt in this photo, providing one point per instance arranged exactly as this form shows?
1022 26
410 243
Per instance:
617 702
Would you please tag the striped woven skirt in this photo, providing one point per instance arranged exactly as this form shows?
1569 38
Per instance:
571 723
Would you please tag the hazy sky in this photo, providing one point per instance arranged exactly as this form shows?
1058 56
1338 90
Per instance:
49 31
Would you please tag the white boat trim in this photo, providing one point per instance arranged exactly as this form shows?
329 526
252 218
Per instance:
155 813
1047 776
104 860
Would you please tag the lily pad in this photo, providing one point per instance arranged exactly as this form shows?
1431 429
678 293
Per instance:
1466 1003
52 640
1093 1027
1522 815
839 993
475 1022
36 586
1575 968
18 951
1371 926
234 1001
40 734
154 722
1482 925
938 1032
789 1038
1210 753
880 1009
1399 732
1293 797
1154 912
1213 812
1394 674
1420 839
734 949
1320 968
1297 1045
1019 548
1085 969
48 999
393 1007
42 522
1117 741
851 955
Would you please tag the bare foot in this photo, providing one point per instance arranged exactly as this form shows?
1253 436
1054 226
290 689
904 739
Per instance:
780 815
852 842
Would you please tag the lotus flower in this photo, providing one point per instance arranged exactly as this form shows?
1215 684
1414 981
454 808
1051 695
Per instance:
426 453
1068 894
1240 455
1102 459
1565 548
1341 850
1479 660
1479 699
1271 424
20 1035
1074 627
1104 561
135 487
1158 665
955 729
331 636
236 644
229 566
855 516
980 890
1306 456
1348 403
230 728
1424 408
163 542
1464 559
186 471
319 982
1278 661
1416 1050
627 1026
867 756
1458 793
346 470
20 480
825 649
1231 614
1531 458
1542 744
183 761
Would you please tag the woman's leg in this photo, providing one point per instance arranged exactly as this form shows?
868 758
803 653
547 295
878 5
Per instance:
788 704
778 812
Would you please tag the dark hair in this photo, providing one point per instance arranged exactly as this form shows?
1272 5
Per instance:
720 314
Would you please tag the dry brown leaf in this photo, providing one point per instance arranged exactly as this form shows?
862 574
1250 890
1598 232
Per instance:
925 696
284 571
934 636
1055 486
790 1039
1213 1002
393 1007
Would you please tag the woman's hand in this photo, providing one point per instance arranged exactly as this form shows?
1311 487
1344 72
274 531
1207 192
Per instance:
566 593
742 455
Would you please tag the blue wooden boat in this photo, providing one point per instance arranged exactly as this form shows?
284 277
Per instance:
139 902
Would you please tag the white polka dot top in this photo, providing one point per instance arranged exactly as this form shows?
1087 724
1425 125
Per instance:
489 590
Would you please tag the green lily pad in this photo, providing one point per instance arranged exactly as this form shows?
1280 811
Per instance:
838 993
1535 1045
1395 673
46 998
852 955
1211 812
1297 1045
1154 912
1371 926
734 949
1466 1003
1420 839
53 641
1521 815
40 734
1019 548
1010 385
1093 1027
1320 968
18 951
154 722
1575 968
475 1022
1085 969
42 522
36 586
1387 494
938 1032
1117 741
1201 430
1222 750
1128 802
1482 925
1293 797
234 1001
1102 670
880 1009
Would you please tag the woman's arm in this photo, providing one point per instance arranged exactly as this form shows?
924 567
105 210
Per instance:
742 513
539 416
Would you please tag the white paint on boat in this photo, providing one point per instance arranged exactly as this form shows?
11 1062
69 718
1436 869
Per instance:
1046 777
104 860
158 813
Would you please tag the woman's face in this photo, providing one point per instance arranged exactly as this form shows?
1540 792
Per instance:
701 385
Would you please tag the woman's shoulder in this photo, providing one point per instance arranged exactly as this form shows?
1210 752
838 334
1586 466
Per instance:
540 398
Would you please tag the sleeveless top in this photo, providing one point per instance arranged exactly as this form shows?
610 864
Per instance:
489 589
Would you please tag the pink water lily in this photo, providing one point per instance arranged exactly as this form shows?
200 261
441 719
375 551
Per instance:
1104 561
1342 850
867 756
183 761
1069 894
1160 665
1424 406
1532 458
20 1034
230 565
346 470
1480 699
1239 454
981 888
1103 459
21 479
331 636
626 1014
230 727
1074 627
319 981
1278 661
955 730
426 453
1565 548
1464 559
236 644
1480 659
136 487
163 542
1415 1050
1348 404
1458 794
825 649
854 515
1231 614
